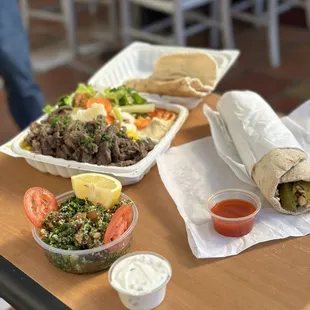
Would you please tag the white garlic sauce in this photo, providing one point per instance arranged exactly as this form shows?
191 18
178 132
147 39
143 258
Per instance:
140 274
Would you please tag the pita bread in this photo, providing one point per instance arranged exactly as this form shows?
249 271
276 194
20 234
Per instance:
196 65
183 87
277 167
184 74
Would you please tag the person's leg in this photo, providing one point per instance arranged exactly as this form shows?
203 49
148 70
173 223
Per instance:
24 95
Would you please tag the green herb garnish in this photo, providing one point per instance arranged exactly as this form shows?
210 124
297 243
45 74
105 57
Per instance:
106 137
57 119
89 140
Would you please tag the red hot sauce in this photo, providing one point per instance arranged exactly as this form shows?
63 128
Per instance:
233 209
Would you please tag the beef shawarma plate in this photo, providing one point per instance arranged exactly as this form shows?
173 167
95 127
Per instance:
116 127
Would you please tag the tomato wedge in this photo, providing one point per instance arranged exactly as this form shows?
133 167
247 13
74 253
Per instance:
119 223
163 114
157 113
106 102
80 100
142 122
109 119
38 203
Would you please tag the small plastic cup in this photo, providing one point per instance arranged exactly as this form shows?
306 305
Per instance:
143 301
233 227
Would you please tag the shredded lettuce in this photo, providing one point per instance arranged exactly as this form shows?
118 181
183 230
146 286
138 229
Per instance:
66 100
123 96
119 96
49 109
138 99
85 89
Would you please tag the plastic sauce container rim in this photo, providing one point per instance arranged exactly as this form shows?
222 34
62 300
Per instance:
135 254
93 250
236 219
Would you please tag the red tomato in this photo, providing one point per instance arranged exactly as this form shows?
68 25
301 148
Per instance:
109 119
106 102
119 223
38 203
142 122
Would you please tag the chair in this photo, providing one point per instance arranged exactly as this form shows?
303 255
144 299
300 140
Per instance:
67 16
179 11
266 13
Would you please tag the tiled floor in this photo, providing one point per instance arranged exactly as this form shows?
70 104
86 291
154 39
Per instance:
285 88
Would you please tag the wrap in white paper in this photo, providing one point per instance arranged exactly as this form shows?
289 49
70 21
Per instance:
192 172
253 126
268 150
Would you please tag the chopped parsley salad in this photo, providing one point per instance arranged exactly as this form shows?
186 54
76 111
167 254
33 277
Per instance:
75 224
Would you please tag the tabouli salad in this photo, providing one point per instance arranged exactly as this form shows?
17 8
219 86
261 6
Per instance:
93 216
121 105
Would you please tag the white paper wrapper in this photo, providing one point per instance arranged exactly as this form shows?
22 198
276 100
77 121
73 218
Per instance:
253 125
194 171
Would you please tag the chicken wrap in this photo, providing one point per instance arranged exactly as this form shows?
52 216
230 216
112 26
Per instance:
270 153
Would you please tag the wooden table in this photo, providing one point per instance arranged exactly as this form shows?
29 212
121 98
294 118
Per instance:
272 275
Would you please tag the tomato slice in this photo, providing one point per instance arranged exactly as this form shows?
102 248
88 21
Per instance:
106 102
119 223
109 119
157 113
38 203
80 100
169 116
142 122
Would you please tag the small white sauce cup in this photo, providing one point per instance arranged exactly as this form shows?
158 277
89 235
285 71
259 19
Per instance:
143 301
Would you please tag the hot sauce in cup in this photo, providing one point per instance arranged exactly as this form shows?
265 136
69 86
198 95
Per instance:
233 212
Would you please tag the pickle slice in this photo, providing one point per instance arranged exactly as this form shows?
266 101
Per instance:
287 197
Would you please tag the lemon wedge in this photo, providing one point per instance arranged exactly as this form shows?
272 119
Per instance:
98 188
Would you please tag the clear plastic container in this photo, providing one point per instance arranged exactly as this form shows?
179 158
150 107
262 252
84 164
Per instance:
90 260
149 300
233 226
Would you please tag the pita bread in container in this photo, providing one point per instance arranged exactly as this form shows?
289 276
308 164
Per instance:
183 74
271 154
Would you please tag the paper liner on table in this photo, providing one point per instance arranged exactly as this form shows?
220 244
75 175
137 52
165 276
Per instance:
193 172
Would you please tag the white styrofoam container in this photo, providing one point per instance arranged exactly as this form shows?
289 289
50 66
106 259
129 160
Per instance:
138 61
126 175
135 61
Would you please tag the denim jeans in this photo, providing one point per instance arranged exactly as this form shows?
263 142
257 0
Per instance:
24 95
